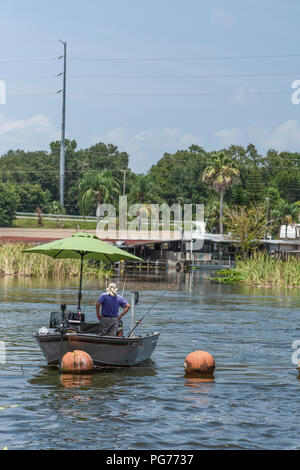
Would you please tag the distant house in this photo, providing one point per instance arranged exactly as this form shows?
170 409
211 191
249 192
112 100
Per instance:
289 232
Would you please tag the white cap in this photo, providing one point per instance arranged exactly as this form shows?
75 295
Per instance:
112 289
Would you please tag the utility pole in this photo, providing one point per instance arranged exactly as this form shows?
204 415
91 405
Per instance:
268 202
63 127
181 228
124 182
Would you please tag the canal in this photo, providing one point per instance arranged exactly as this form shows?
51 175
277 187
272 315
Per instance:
252 403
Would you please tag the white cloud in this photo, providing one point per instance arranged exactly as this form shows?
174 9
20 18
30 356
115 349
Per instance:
39 123
35 131
147 146
285 136
228 137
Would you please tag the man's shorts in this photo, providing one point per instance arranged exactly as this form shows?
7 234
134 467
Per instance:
108 326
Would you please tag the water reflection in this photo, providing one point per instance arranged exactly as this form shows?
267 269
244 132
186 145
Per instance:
76 380
201 389
102 377
197 382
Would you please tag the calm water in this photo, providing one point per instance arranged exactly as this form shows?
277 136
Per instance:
253 402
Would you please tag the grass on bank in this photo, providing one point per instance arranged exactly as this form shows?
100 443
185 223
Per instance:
25 222
15 263
68 224
263 270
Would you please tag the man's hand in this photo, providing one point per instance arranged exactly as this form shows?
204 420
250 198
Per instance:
124 312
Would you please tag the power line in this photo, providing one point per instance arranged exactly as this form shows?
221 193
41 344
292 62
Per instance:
33 93
183 59
179 93
271 74
36 77
250 177
238 75
57 171
160 59
26 60
264 162
156 93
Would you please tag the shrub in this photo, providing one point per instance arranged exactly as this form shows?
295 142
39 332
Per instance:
8 204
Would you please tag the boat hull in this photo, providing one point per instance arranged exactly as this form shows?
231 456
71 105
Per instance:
104 350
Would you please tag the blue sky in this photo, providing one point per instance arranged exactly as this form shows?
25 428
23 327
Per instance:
148 107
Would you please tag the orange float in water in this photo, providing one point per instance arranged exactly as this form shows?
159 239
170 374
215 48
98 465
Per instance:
199 363
76 362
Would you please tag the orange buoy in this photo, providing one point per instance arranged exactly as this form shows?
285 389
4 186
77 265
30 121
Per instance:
76 362
199 363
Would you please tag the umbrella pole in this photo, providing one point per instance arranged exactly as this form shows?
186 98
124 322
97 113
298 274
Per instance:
80 284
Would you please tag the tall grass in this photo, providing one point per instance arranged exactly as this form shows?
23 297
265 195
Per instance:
14 262
263 270
69 224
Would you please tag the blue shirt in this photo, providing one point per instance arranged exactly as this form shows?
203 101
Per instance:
110 305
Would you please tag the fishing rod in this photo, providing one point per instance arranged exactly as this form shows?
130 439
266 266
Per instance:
138 322
120 322
124 284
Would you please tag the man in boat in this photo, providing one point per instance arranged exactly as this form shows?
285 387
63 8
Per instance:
110 302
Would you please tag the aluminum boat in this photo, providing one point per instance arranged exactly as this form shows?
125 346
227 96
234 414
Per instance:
69 331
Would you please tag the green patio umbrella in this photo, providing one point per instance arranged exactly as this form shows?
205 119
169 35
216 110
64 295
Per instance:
82 246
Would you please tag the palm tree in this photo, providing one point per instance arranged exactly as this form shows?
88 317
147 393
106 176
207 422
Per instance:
289 216
219 176
212 215
142 190
97 186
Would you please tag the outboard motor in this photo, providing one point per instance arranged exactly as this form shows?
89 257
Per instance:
63 308
63 322
76 319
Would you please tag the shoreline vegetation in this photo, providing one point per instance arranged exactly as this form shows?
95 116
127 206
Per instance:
262 270
65 224
15 263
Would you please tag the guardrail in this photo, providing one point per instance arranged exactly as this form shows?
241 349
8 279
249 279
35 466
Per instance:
74 218
79 218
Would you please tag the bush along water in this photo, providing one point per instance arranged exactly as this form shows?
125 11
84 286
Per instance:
228 276
261 269
15 263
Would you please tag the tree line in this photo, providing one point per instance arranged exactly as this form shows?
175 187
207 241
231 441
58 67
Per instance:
225 181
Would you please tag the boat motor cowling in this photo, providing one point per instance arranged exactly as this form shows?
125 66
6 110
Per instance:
76 318
64 320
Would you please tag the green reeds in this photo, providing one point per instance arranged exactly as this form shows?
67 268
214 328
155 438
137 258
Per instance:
264 270
15 263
